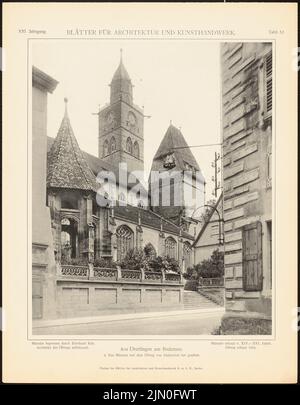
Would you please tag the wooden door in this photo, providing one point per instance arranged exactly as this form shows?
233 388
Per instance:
252 257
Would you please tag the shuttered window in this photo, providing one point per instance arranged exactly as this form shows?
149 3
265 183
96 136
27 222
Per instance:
252 257
268 84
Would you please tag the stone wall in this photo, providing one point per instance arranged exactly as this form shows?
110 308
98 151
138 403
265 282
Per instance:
84 298
43 262
247 150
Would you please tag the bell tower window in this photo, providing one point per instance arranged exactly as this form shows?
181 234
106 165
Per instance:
129 145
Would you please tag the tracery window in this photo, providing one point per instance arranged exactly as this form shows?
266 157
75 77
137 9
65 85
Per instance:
170 247
187 254
113 145
136 149
125 241
129 145
105 148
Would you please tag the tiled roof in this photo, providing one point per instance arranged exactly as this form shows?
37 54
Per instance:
174 139
67 166
148 218
97 165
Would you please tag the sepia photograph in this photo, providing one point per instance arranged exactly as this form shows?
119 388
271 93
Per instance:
151 187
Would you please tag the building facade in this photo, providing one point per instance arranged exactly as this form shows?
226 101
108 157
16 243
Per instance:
43 260
247 179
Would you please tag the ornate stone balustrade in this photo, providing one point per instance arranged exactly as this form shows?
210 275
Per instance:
105 273
211 282
153 276
174 278
73 272
131 275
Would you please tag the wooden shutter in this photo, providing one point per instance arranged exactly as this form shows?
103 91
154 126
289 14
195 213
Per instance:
252 257
268 84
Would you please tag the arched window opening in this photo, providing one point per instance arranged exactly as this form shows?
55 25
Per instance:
105 148
69 239
136 149
187 254
121 197
129 145
113 145
170 247
125 240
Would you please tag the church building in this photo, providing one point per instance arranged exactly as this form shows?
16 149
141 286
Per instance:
85 232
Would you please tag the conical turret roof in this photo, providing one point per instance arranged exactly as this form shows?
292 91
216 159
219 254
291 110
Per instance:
67 167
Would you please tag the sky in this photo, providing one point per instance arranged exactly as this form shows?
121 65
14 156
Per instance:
176 81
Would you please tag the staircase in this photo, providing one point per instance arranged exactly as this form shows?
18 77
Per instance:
194 300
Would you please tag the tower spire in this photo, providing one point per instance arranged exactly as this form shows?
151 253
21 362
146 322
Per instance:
121 86
66 106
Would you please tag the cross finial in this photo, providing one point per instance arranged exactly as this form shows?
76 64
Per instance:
170 122
121 55
66 106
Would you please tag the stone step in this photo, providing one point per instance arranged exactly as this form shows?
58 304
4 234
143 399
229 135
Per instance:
193 300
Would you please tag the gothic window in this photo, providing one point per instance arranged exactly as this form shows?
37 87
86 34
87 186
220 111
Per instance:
129 145
136 150
105 148
112 145
125 239
187 254
121 197
170 247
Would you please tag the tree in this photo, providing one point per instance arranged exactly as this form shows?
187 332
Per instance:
137 259
208 268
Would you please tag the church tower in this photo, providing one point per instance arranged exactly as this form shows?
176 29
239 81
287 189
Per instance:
121 125
180 189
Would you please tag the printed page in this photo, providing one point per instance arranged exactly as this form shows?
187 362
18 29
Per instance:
149 183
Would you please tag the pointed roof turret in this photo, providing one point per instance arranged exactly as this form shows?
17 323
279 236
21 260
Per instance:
174 143
67 167
121 86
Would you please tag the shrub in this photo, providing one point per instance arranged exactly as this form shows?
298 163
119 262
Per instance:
105 263
137 259
191 285
212 267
